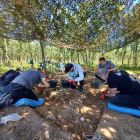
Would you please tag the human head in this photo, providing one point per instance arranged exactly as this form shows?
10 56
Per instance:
69 67
102 61
103 74
41 70
19 70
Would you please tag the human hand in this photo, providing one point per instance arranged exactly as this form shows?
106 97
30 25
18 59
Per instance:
103 96
105 91
41 88
73 81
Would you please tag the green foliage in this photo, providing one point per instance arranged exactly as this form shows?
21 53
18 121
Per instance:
76 25
130 69
4 67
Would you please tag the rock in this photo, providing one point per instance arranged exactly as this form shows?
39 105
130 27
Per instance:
82 119
91 127
51 117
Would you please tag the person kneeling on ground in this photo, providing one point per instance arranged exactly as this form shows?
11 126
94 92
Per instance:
75 73
22 85
6 73
8 78
127 85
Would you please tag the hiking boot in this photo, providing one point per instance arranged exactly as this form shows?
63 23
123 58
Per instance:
7 99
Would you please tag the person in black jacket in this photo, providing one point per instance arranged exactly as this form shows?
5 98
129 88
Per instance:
5 74
127 85
7 78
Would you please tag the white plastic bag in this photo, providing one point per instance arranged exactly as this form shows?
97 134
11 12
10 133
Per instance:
10 117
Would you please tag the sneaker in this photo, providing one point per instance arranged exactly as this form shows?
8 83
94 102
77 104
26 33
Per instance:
6 101
3 96
81 90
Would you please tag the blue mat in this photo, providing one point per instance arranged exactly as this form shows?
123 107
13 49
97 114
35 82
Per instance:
33 103
1 94
126 110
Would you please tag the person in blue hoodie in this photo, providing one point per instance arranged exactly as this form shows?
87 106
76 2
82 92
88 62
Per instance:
7 78
5 74
75 73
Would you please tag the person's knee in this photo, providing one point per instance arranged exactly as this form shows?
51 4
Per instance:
84 74
4 89
113 100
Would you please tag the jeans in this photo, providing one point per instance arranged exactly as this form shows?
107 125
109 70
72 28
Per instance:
131 101
3 89
18 91
81 83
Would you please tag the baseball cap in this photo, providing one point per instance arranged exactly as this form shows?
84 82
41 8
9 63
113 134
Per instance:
68 67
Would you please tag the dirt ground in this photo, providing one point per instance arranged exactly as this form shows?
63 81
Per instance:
59 117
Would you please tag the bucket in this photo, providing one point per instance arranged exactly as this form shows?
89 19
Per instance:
99 84
65 84
53 83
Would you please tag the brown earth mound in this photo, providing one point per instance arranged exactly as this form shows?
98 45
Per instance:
59 117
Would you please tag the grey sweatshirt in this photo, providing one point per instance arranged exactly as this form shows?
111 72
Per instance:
77 73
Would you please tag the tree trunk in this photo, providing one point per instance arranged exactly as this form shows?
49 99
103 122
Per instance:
68 56
30 50
3 55
43 57
60 54
64 55
6 53
71 55
21 55
130 56
92 59
0 57
123 55
135 57
78 57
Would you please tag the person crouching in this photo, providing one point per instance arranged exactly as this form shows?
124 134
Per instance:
75 73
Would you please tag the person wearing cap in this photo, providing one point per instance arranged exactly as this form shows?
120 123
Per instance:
127 85
75 73
22 85
8 77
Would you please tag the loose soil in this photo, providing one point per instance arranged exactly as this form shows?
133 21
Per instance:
66 105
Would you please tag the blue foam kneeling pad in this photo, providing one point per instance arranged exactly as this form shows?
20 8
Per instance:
1 94
26 101
126 110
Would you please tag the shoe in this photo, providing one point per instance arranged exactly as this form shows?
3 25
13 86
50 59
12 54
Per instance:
81 90
6 101
3 96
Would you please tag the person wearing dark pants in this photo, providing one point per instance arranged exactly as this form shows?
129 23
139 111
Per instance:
22 85
18 91
81 83
127 85
5 74
75 73
8 78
